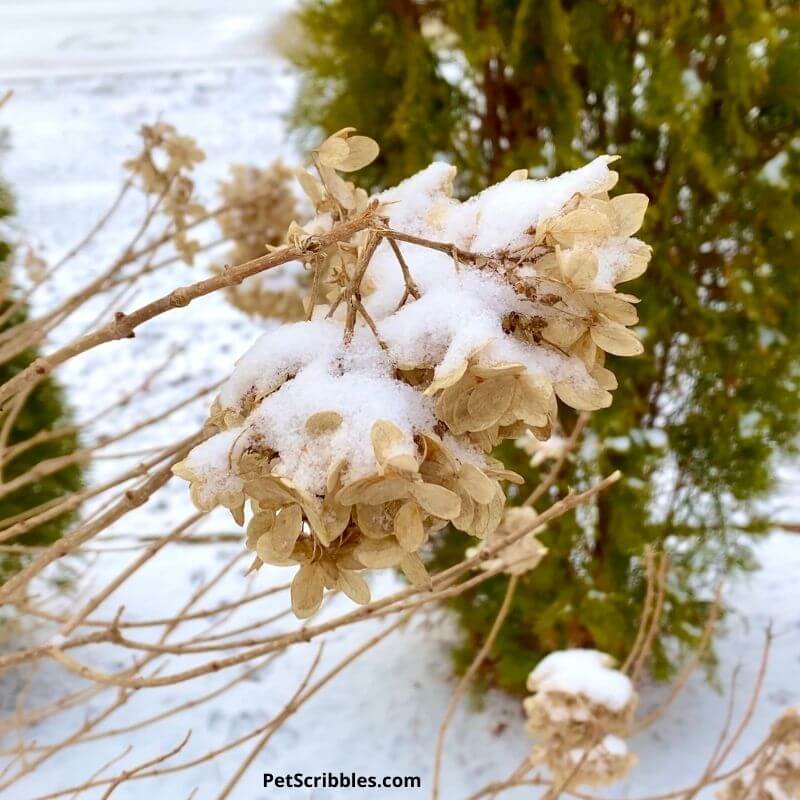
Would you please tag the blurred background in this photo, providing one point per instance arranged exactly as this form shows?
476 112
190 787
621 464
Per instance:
702 103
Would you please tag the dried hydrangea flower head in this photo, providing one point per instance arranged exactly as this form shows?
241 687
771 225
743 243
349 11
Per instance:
600 765
576 694
540 450
777 775
522 554
260 206
580 710
163 170
362 431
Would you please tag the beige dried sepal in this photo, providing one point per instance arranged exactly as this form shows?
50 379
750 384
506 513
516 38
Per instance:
312 187
354 586
615 338
307 590
479 486
583 396
414 570
387 439
346 152
629 210
436 500
323 422
408 528
379 553
362 151
332 151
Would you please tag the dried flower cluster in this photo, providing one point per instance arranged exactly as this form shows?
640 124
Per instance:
776 775
358 433
523 553
260 204
163 169
540 450
580 713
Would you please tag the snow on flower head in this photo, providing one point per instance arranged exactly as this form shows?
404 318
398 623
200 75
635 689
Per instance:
585 673
446 327
580 711
777 775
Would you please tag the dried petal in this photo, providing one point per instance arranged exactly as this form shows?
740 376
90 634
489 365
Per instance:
533 400
408 528
379 553
351 494
269 492
616 308
323 422
563 331
629 210
332 151
387 439
354 586
443 380
580 268
480 487
362 151
489 401
385 491
581 224
335 517
311 186
583 396
415 571
497 370
286 530
436 500
615 338
404 463
463 521
342 191
605 377
307 590
375 522
260 524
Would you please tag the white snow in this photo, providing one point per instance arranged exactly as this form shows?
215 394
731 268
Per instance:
451 321
612 745
583 672
497 219
210 461
278 355
357 383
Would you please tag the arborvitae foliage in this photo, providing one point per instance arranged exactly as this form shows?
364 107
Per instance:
702 102
44 409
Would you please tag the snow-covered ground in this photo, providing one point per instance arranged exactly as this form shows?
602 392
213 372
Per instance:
83 84
87 37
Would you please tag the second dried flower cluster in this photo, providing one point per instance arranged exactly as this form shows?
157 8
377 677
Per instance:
580 713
